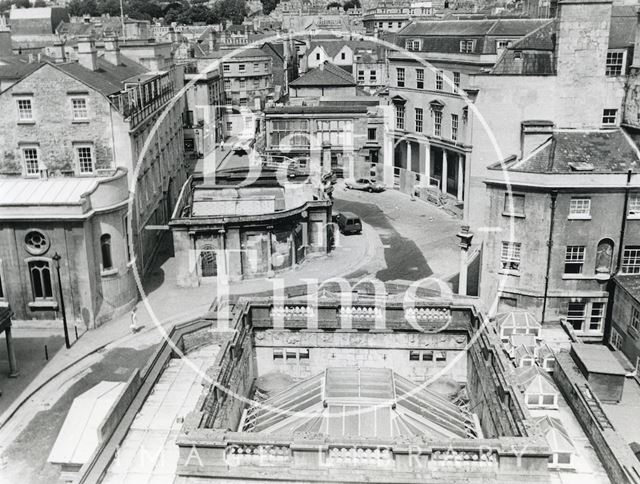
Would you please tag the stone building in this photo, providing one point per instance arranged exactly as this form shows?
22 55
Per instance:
348 138
550 75
248 78
327 81
432 120
265 225
205 104
66 124
378 399
564 222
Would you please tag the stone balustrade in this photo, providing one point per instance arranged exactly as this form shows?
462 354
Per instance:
363 313
291 312
428 315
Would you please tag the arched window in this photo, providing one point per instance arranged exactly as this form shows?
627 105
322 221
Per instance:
105 247
604 256
40 274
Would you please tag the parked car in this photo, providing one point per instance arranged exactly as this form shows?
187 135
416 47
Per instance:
365 184
348 223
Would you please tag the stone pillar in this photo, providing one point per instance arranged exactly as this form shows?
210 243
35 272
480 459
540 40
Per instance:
460 191
13 366
326 158
445 172
409 155
186 259
427 165
233 250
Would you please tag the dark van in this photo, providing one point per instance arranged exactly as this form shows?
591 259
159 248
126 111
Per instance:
348 223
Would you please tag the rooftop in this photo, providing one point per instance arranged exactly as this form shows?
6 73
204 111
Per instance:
471 27
598 359
54 191
325 75
571 151
108 78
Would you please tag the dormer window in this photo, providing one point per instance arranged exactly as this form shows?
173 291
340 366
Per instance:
467 46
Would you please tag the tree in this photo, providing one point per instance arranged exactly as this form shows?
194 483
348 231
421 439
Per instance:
78 8
334 5
269 5
39 3
22 3
234 10
349 4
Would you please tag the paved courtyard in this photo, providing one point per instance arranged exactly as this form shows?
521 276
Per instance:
419 239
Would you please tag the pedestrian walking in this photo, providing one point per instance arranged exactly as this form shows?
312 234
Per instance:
134 321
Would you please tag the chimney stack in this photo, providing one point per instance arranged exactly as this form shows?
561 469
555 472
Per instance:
5 41
57 52
87 53
112 51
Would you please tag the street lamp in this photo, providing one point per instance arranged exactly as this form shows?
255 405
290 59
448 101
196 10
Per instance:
56 257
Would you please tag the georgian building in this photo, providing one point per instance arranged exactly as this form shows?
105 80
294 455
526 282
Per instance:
432 119
564 221
76 137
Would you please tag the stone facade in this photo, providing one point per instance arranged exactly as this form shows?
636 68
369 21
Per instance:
555 229
575 97
115 132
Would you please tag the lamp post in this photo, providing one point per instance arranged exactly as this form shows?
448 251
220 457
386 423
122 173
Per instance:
56 257
465 242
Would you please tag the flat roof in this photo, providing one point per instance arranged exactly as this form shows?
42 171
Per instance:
40 191
598 359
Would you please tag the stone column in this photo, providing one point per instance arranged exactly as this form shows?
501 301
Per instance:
445 171
460 190
409 155
233 249
13 366
186 259
427 165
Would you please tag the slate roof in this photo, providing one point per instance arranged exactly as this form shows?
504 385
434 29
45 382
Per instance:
630 283
108 78
16 67
326 75
496 27
607 151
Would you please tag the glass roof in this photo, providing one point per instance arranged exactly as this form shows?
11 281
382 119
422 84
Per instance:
360 402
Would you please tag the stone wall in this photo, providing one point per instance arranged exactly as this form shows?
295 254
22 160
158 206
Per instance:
53 129
356 349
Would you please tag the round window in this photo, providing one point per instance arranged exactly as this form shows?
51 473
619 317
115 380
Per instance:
36 242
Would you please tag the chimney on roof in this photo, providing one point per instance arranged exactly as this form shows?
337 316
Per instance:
112 50
5 41
87 53
57 52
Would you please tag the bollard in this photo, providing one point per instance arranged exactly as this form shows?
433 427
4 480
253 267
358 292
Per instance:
76 328
46 353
